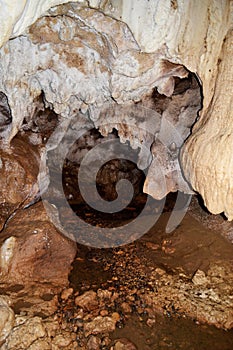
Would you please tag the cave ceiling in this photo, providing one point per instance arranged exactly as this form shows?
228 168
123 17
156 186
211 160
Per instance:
120 65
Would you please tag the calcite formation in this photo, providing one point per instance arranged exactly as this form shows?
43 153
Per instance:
121 60
208 153
154 74
17 15
73 59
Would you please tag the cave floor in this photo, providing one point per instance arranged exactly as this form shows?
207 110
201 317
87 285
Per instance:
163 291
153 276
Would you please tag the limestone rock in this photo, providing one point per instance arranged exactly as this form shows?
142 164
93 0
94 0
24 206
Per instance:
105 66
62 341
100 325
40 344
207 155
24 335
22 16
124 344
126 308
7 252
87 301
199 278
85 68
42 254
66 293
7 319
18 176
127 66
93 343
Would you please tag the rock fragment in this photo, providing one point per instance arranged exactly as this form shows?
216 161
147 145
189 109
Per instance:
87 301
100 325
93 343
124 344
7 318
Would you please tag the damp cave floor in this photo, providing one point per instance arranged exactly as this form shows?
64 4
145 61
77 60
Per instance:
128 270
147 280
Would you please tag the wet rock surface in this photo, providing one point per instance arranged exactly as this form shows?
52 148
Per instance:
33 250
19 167
177 275
71 63
123 344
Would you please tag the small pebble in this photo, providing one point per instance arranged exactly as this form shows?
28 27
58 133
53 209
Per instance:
104 312
66 293
93 343
126 308
116 317
124 344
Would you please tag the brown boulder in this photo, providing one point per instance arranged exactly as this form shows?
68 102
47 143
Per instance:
32 250
19 166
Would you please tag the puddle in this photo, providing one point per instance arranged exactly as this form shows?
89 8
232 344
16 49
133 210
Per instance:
174 333
88 269
190 247
131 272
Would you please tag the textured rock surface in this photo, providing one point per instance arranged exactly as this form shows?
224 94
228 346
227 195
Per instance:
74 60
195 280
70 61
100 325
87 301
24 335
35 251
108 175
19 168
124 344
6 319
79 67
196 40
191 32
208 153
93 343
33 333
198 296
16 16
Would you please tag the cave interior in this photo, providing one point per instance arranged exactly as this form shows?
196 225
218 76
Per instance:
105 243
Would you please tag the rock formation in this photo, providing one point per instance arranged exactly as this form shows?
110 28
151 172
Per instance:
75 77
77 64
32 251
75 46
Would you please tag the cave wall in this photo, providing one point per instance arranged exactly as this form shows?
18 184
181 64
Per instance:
73 60
195 34
16 16
192 33
207 155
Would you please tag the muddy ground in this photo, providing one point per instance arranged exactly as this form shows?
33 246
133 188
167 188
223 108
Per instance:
162 291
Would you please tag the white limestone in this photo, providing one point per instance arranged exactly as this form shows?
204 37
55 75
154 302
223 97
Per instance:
191 33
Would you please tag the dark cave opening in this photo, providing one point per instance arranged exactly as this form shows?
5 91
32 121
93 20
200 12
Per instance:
107 177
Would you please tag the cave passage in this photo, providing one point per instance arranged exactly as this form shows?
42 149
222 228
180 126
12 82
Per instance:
103 242
107 177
